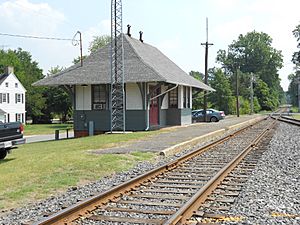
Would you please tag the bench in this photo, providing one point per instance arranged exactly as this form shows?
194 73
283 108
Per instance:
57 133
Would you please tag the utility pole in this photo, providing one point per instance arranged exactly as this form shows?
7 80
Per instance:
206 68
237 93
298 82
251 92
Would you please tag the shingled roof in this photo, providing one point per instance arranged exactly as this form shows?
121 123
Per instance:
3 78
143 63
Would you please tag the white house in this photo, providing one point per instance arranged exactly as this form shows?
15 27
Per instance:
12 97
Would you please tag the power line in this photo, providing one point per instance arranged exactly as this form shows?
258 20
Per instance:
37 37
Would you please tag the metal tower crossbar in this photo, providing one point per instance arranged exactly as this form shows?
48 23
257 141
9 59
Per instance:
117 69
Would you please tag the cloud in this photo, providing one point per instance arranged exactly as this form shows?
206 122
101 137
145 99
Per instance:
169 45
38 19
230 30
30 18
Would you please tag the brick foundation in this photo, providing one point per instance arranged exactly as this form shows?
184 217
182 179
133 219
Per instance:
85 133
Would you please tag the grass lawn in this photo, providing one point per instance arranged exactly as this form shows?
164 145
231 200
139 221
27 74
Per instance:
34 129
35 171
297 116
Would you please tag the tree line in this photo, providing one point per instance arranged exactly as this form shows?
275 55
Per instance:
250 58
294 78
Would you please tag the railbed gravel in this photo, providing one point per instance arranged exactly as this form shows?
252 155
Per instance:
38 210
272 193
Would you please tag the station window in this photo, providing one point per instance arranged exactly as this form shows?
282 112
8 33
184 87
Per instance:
173 98
99 97
6 84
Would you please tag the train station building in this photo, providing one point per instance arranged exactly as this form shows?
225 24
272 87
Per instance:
157 92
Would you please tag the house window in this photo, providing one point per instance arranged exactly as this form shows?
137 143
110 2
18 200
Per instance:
4 97
18 98
6 84
16 85
173 98
18 117
99 97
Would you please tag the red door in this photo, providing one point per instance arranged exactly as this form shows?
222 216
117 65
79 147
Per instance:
154 106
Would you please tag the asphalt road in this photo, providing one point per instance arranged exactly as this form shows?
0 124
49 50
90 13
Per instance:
47 137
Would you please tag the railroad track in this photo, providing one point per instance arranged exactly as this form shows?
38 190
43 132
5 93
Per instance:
177 192
215 208
289 120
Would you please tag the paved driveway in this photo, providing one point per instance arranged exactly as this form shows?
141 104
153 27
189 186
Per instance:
47 137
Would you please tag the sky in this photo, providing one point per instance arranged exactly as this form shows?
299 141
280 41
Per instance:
176 27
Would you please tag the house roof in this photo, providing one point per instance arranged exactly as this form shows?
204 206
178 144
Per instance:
2 111
142 63
2 78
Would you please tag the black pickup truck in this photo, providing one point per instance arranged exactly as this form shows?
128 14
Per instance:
11 134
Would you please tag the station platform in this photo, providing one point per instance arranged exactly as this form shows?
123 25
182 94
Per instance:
174 139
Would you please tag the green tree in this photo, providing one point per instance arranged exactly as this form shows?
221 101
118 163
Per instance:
77 60
197 95
58 100
295 78
262 92
253 53
27 72
197 75
98 42
256 105
296 55
293 88
222 98
245 107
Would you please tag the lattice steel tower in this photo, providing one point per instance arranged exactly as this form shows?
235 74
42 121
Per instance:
117 68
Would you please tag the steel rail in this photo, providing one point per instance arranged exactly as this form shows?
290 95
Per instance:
289 120
71 213
191 206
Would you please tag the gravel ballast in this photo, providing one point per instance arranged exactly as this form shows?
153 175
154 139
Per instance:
272 193
273 197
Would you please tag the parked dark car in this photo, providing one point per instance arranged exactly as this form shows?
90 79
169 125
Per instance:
212 115
11 134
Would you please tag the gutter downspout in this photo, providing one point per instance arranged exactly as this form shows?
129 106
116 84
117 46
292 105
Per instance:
148 104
